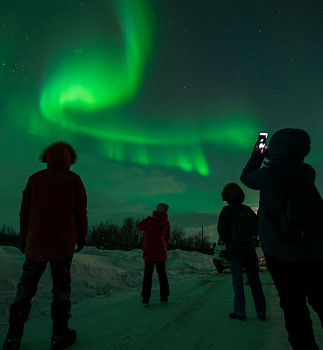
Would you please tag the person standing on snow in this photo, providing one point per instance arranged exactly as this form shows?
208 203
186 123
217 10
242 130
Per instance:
296 267
155 240
241 251
53 219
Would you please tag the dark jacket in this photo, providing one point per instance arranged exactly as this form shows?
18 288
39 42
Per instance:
53 214
156 236
287 149
236 251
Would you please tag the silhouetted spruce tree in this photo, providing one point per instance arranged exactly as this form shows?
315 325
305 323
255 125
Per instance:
8 237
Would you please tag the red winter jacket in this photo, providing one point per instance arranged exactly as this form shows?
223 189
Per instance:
53 214
156 236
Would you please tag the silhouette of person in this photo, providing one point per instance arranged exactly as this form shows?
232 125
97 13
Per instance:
155 240
241 251
53 219
296 267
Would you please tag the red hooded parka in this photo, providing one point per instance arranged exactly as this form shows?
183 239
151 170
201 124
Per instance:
156 236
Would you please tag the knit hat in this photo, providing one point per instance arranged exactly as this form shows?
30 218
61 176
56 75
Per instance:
162 207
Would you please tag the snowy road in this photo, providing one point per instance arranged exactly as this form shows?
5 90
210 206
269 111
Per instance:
195 318
107 311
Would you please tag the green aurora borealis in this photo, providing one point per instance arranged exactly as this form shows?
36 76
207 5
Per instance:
176 89
107 73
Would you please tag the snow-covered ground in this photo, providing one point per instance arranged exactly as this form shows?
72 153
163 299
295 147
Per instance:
107 310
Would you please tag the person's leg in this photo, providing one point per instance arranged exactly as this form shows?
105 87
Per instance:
314 286
239 303
147 282
26 290
163 280
61 305
256 288
289 279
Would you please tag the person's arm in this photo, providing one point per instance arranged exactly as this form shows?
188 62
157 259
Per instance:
81 215
24 215
167 234
224 224
143 225
251 174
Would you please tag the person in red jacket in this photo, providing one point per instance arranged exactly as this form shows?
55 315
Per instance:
53 219
155 240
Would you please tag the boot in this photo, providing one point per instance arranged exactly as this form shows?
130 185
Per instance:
62 336
19 313
237 317
63 340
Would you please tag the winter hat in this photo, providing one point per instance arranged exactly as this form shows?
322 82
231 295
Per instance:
162 207
289 143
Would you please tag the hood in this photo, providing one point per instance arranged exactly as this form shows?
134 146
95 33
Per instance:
289 143
161 217
58 156
162 207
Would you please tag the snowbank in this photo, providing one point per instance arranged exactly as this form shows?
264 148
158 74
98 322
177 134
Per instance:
94 272
107 311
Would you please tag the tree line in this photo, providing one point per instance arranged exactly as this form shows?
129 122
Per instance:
126 236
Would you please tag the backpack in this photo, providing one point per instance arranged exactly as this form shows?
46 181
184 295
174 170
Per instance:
302 217
244 224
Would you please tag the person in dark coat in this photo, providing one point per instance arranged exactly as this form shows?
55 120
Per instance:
53 219
296 268
155 240
241 255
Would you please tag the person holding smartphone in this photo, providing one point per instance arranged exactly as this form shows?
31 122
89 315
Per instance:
296 267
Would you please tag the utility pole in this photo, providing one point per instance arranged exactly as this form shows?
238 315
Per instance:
202 235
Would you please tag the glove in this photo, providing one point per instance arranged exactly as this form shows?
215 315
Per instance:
80 245
23 245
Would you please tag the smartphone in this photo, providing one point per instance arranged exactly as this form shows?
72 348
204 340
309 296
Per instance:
262 138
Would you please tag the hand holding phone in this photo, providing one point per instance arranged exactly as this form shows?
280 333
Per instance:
261 145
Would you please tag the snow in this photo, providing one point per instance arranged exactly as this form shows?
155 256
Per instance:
107 311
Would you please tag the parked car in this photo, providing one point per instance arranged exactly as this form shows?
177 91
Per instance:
220 257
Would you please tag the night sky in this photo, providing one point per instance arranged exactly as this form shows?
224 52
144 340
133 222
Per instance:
162 100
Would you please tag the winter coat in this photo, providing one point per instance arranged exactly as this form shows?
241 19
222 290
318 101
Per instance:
156 236
236 251
287 149
53 214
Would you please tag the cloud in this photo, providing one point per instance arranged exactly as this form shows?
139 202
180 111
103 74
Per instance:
118 190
